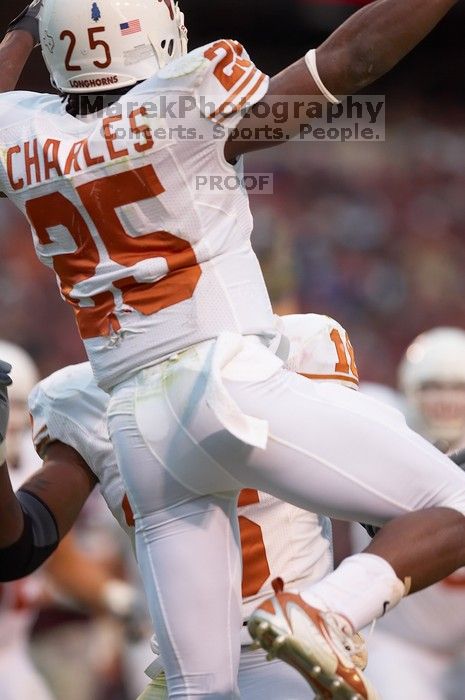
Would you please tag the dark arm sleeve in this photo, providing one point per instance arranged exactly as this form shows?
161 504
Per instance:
37 542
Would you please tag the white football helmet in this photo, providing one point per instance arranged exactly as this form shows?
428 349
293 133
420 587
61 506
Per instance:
25 376
432 377
108 44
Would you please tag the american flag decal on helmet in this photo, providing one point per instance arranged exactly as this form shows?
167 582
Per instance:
131 27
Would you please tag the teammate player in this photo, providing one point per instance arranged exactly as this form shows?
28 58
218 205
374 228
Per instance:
83 580
69 430
422 643
19 600
176 320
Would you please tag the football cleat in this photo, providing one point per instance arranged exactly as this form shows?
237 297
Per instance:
320 645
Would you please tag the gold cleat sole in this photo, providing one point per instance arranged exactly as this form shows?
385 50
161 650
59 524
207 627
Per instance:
289 650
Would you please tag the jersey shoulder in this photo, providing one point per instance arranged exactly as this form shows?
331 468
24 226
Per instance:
221 76
19 105
67 382
67 406
319 348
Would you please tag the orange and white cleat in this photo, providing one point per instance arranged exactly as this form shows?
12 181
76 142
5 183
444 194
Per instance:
320 645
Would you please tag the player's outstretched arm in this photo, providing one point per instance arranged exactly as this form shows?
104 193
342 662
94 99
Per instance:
35 519
359 52
14 52
22 35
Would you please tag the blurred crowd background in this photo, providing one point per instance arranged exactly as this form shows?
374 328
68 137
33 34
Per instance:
372 234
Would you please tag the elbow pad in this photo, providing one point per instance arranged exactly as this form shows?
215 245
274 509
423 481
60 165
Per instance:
37 542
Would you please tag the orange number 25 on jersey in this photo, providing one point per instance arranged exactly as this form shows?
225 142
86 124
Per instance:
100 199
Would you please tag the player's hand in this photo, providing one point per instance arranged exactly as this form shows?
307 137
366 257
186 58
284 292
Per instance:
5 380
28 20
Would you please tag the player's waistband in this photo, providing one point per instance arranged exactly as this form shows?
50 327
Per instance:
229 357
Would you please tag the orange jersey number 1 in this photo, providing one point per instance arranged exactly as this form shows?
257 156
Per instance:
100 199
345 354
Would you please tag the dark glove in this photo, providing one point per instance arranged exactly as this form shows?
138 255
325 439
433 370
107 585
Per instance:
5 380
28 20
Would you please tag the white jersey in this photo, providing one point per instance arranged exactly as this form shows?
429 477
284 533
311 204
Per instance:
69 406
278 539
153 254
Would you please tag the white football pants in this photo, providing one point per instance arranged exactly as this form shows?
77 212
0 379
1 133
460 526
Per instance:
258 679
190 432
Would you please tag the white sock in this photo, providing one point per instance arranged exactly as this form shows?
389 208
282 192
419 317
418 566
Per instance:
362 588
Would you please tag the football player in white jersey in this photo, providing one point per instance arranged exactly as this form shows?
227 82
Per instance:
68 416
176 320
19 599
432 379
71 574
422 643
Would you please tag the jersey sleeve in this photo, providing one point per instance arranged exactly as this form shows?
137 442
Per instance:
56 416
320 348
38 414
231 83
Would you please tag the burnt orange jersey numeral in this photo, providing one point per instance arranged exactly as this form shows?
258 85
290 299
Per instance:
232 67
255 567
345 354
101 198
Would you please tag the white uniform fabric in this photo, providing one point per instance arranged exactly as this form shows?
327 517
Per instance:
277 538
327 449
257 679
151 260
69 406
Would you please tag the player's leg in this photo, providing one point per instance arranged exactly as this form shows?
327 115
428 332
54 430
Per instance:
188 552
190 564
259 678
323 447
329 450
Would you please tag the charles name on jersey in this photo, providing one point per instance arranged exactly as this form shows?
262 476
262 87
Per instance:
32 163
